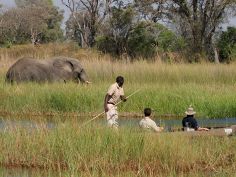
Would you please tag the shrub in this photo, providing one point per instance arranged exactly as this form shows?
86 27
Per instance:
227 44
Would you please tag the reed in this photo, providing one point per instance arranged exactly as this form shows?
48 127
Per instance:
97 151
169 89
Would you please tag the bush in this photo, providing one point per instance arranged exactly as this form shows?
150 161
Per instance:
147 37
143 39
106 44
227 45
142 42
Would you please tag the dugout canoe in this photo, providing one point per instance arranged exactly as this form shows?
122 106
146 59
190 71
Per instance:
227 131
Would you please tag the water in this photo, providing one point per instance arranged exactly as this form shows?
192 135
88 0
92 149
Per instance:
24 124
222 122
7 124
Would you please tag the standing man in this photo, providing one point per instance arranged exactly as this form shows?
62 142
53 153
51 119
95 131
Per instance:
114 94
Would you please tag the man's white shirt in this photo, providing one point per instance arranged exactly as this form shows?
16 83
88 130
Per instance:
147 123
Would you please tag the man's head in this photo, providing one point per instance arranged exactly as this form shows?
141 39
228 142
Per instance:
147 112
120 81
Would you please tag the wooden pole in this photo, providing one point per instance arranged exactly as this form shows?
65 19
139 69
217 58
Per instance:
85 123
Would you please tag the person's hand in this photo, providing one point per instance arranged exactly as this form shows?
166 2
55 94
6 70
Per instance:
106 108
124 99
203 129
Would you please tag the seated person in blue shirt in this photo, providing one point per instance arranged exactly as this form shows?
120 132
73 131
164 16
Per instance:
190 123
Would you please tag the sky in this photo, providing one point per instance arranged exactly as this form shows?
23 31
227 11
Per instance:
11 3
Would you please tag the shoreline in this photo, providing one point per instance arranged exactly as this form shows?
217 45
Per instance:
75 114
123 115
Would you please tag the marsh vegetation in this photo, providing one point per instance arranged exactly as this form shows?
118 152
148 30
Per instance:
172 67
94 150
97 151
167 88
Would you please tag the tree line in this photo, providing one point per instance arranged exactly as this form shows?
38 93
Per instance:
136 28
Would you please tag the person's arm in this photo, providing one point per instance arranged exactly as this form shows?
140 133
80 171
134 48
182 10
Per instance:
122 96
107 97
159 129
202 129
196 127
194 124
154 126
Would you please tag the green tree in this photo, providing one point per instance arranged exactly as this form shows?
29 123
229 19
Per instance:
10 27
116 31
51 16
53 31
72 30
197 21
31 23
86 16
143 40
227 44
148 38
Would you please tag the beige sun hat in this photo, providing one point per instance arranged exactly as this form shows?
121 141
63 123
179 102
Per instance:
190 111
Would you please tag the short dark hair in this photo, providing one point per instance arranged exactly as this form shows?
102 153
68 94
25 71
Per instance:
147 111
120 79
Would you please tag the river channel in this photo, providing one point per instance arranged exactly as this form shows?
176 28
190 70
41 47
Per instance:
124 122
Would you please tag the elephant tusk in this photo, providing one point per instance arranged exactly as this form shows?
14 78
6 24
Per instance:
87 82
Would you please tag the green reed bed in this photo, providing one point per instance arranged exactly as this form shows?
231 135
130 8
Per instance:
104 152
169 89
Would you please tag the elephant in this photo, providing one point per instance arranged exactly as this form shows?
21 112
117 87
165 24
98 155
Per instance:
60 69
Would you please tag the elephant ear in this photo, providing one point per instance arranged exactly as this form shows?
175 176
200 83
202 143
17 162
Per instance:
63 65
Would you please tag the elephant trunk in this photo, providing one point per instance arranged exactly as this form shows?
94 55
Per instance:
83 77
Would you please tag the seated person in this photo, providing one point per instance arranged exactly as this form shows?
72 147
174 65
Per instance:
147 123
190 123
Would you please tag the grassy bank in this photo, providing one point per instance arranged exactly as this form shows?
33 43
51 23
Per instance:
169 89
101 152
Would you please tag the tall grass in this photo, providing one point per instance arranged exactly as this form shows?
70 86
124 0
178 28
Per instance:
167 88
96 151
46 51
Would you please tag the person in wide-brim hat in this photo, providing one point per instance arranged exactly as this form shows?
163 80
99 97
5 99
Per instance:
190 122
190 111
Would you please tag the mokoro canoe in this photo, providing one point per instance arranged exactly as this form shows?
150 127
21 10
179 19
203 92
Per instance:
228 131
